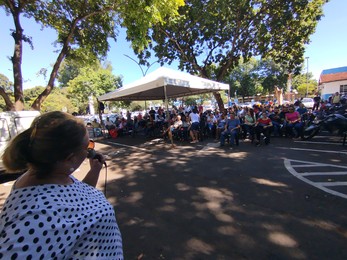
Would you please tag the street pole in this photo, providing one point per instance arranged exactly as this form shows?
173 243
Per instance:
307 76
143 72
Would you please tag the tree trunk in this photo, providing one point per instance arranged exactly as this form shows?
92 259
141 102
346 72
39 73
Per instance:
8 102
219 101
64 51
17 61
41 98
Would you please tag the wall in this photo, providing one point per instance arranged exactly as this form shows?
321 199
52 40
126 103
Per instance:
331 87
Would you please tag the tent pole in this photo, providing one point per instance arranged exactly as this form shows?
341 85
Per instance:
166 104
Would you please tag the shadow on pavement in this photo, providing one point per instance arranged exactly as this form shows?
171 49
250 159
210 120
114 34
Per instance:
203 202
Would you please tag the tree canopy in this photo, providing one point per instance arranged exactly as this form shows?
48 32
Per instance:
219 33
93 80
83 28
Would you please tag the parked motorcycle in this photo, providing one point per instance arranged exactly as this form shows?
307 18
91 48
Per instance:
334 123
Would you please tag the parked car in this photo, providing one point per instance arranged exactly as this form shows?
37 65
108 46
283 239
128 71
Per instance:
11 124
308 102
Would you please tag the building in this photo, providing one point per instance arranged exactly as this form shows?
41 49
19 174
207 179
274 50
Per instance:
332 81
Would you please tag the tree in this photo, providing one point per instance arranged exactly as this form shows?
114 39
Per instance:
218 33
272 75
244 78
77 22
69 69
91 80
15 8
6 90
304 83
58 100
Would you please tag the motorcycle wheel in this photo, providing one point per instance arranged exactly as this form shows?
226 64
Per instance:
309 134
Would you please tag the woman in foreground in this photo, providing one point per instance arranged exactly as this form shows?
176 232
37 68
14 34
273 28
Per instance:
49 214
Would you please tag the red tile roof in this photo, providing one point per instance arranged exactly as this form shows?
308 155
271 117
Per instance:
332 77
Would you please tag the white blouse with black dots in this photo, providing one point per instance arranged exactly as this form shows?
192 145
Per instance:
59 222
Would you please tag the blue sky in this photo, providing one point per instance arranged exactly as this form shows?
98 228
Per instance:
326 50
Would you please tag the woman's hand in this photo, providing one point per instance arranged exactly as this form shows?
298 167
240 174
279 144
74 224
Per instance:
96 162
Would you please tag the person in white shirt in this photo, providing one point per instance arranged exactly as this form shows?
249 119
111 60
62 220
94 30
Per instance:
195 127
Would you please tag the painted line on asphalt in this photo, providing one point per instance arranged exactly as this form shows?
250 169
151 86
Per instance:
128 146
319 185
322 173
329 184
310 142
321 151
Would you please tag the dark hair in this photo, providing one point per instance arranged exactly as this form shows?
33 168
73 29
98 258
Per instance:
251 111
51 138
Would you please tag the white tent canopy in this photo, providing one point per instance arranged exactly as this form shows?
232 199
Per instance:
162 84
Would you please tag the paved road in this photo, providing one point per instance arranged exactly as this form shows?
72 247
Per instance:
198 201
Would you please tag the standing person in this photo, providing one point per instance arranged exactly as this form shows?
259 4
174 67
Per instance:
195 127
49 214
336 99
316 102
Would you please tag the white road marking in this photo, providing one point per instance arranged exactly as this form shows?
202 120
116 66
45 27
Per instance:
310 142
128 146
322 173
320 185
335 183
321 151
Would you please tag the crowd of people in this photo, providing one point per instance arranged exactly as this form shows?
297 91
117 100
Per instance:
191 123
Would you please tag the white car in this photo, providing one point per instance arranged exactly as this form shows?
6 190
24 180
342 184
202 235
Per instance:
308 102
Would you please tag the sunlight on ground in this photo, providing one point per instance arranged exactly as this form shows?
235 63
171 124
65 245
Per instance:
199 246
279 237
329 226
182 187
228 230
224 153
215 201
268 182
168 208
282 239
134 197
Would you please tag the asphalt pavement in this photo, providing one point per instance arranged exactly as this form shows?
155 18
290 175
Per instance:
286 200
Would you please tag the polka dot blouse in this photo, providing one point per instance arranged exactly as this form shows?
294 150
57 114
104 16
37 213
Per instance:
59 222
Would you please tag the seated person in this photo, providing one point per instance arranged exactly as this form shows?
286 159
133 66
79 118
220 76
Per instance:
185 129
97 129
294 126
160 118
96 124
277 121
108 124
220 126
211 123
122 127
173 129
150 127
248 125
231 130
263 125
